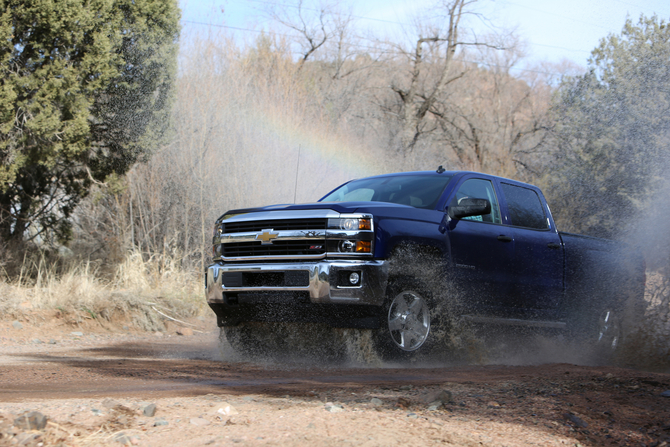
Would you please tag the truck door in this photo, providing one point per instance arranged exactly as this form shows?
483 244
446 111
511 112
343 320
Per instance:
482 248
538 252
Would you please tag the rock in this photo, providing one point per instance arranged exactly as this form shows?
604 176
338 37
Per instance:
77 334
412 415
248 399
121 437
406 388
578 422
17 325
52 341
665 393
376 402
33 420
37 341
159 422
149 410
334 408
493 403
185 331
200 422
158 334
227 409
434 407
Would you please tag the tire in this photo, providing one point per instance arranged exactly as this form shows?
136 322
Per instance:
407 320
601 330
609 333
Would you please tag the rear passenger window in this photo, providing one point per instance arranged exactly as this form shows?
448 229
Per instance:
525 207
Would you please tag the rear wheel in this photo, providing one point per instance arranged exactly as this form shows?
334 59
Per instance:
601 330
609 332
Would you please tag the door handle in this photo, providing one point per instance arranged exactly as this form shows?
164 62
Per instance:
554 245
503 238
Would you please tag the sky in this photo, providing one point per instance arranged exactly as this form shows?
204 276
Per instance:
552 30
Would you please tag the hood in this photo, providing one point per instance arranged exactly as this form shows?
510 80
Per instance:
338 207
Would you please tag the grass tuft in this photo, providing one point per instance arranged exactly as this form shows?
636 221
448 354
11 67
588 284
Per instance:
139 286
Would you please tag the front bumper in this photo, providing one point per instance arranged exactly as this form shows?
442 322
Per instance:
324 284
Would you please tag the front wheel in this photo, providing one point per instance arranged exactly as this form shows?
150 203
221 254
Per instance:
406 320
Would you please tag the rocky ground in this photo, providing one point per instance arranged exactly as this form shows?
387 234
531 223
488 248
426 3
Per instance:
101 385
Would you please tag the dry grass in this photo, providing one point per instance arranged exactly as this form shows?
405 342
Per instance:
141 289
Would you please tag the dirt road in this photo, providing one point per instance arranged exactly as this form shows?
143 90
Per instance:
96 387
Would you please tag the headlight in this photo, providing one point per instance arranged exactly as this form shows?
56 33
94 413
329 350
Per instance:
350 224
350 235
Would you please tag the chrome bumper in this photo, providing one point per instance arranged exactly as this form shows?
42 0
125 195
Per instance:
322 286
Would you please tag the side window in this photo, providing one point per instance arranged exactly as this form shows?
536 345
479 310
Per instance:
525 207
475 188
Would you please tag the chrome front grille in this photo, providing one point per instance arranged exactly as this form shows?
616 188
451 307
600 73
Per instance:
277 248
285 235
277 225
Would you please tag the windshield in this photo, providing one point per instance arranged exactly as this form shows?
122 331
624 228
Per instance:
419 191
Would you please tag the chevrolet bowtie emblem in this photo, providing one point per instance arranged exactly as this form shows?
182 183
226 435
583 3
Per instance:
266 236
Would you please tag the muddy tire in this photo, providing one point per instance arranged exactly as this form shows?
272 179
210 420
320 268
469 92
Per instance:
601 330
408 320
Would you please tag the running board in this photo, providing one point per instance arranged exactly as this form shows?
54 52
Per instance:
516 322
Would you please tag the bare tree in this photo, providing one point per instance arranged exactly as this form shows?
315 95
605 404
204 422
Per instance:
314 28
496 122
431 70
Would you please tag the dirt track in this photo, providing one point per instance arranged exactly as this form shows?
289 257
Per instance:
92 388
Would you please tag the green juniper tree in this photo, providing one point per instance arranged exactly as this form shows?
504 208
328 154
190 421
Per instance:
85 92
613 131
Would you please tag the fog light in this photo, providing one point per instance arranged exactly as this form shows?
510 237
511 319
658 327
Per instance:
363 247
347 246
354 278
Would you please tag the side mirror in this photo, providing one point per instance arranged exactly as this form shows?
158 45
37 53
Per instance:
470 207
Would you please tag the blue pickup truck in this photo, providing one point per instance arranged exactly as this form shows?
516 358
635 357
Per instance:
406 255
